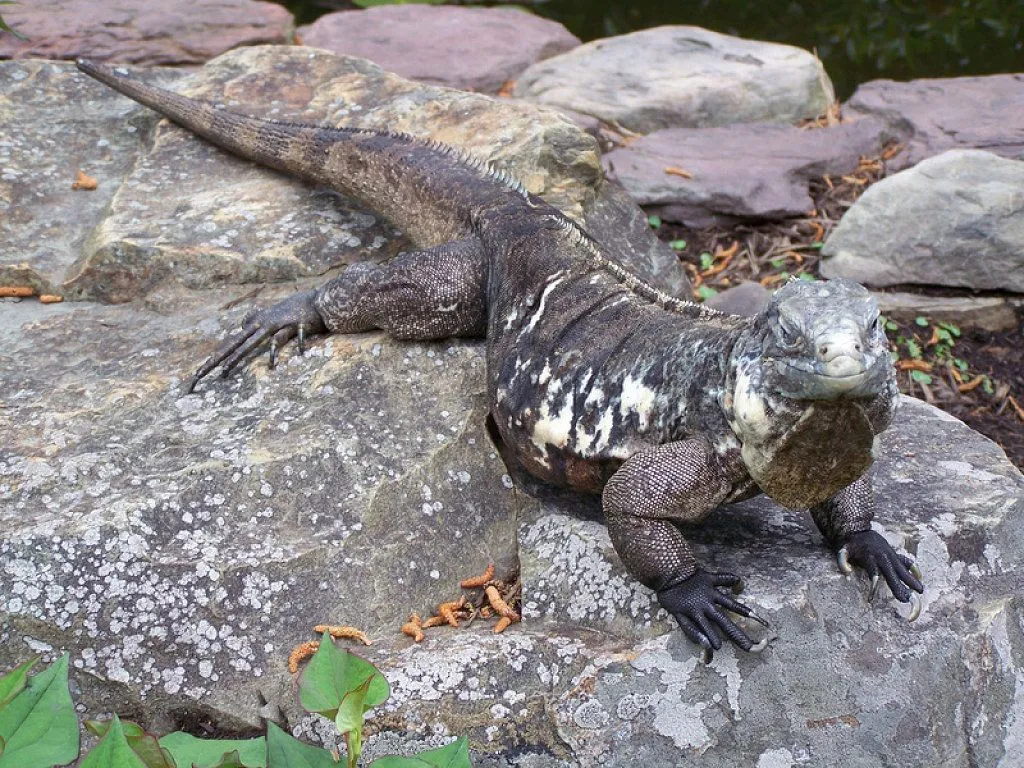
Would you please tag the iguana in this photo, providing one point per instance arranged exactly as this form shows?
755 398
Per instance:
596 380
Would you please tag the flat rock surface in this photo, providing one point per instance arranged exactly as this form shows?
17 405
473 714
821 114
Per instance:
180 545
681 77
990 313
169 208
933 115
140 31
478 49
956 219
702 176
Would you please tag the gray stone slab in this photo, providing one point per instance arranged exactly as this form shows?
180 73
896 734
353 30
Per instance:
749 171
934 115
989 313
478 49
956 219
141 31
680 76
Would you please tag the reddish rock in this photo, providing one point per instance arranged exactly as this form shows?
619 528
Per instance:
702 176
141 31
477 49
933 116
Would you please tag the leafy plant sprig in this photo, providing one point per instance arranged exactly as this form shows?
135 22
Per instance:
39 728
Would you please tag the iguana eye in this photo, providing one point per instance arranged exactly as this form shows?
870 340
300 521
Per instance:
789 337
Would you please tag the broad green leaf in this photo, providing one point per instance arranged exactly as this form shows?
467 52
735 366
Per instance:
706 261
921 376
706 292
285 751
332 673
39 726
187 750
454 755
231 760
349 719
143 744
806 276
113 751
13 683
677 245
921 320
654 221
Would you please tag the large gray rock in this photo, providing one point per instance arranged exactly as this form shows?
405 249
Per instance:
179 545
989 313
141 31
956 219
678 76
751 171
479 49
933 115
182 212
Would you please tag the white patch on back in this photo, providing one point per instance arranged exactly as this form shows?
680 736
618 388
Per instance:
637 398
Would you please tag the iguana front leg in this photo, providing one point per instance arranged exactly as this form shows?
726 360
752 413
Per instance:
430 294
845 522
652 491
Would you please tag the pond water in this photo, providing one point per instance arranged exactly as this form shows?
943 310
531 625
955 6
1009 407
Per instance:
858 40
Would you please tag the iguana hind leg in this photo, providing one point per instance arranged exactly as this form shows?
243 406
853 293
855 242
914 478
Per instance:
430 294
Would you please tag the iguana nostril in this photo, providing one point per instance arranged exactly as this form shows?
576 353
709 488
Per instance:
823 350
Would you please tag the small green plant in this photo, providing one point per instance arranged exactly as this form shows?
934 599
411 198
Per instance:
654 221
39 728
706 292
3 24
706 261
677 245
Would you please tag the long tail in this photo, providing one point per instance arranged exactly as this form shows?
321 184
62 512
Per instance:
424 188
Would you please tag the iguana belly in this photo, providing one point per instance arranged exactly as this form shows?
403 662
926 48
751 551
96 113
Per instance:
828 447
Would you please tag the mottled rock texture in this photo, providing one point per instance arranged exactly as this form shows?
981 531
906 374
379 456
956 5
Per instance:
934 115
179 545
170 209
750 171
956 220
140 31
681 77
478 49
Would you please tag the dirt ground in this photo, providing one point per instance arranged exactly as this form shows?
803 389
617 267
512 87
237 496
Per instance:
976 375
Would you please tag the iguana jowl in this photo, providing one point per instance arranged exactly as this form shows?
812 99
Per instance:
596 380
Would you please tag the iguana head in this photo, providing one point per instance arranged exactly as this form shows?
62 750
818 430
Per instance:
823 341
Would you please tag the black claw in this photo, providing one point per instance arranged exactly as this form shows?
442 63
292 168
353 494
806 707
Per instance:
301 341
699 605
871 552
272 361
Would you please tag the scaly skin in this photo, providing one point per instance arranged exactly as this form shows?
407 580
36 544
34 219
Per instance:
597 381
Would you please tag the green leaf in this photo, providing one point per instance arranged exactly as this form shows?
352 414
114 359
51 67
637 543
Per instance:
921 376
654 221
986 384
143 744
913 348
817 245
113 751
706 292
13 683
187 750
349 719
950 327
777 262
232 760
285 751
706 261
921 320
960 363
677 245
454 755
891 326
3 24
39 726
331 674
806 276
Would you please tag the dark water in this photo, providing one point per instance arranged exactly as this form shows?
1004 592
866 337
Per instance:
858 40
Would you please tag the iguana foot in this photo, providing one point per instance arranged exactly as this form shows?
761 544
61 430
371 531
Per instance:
295 316
698 605
870 551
